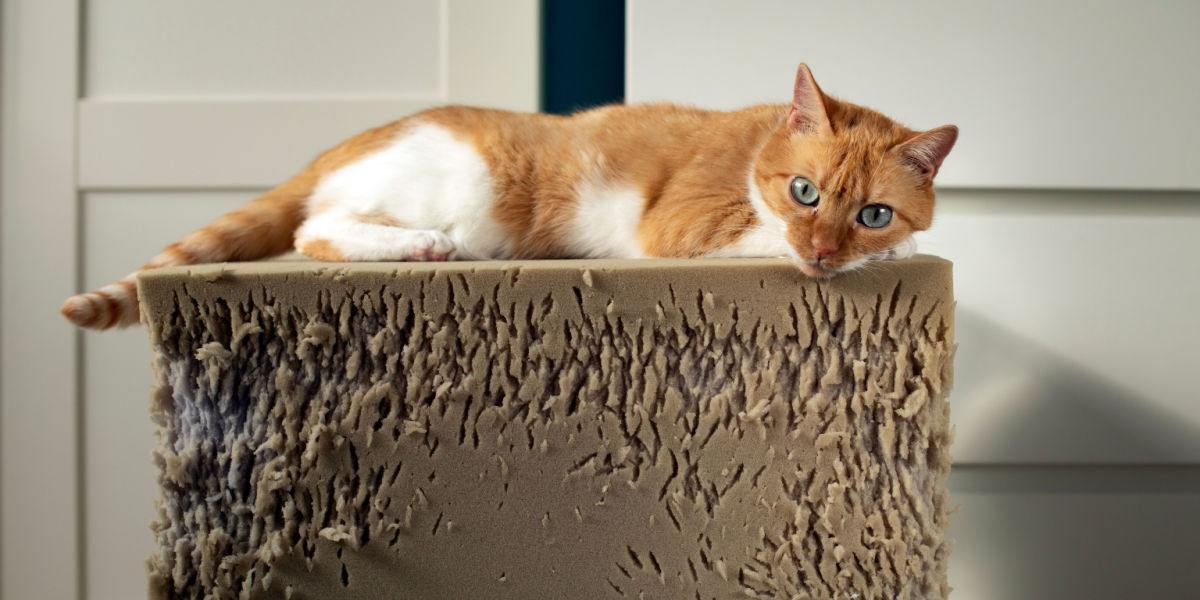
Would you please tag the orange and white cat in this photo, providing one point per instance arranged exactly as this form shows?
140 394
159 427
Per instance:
828 183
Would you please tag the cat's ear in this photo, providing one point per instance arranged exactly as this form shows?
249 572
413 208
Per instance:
807 114
926 150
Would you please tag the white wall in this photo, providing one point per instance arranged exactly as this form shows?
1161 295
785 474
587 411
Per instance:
1069 208
1066 94
127 124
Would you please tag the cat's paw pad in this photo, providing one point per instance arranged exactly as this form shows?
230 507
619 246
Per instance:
430 246
904 249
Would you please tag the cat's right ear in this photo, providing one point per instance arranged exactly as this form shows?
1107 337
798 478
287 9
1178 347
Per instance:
926 150
807 114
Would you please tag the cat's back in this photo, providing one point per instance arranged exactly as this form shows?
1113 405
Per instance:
638 123
534 154
676 121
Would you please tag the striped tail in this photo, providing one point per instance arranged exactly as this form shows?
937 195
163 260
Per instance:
262 228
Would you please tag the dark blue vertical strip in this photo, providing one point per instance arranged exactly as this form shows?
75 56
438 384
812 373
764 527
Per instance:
583 54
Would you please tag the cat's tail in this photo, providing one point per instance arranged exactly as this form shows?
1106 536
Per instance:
260 229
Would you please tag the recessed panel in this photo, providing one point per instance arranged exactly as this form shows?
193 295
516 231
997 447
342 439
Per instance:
289 47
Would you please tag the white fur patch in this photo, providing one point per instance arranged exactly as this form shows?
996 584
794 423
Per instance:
357 241
759 241
606 221
428 180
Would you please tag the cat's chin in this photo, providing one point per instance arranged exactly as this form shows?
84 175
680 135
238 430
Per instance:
813 270
809 267
816 271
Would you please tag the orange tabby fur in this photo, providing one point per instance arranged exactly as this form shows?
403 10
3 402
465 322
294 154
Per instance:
693 168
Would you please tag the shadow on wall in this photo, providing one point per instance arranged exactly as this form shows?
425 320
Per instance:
1039 531
1016 402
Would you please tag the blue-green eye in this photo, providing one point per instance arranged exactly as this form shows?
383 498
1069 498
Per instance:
804 192
875 215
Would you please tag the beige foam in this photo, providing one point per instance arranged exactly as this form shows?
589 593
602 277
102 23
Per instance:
555 429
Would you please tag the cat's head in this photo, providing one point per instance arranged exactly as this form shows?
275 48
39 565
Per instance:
845 183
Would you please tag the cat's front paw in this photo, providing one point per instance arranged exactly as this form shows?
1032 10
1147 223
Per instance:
430 246
904 249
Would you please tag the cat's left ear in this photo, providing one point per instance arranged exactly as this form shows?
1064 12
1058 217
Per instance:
926 150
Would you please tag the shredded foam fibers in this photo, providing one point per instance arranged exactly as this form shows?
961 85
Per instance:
690 430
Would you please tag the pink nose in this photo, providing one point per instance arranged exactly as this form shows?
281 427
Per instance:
824 247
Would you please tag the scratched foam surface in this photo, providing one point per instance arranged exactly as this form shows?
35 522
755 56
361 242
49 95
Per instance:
542 430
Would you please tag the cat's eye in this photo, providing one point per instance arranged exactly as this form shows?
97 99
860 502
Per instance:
804 192
875 215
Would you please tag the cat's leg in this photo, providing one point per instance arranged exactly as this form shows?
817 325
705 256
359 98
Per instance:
347 237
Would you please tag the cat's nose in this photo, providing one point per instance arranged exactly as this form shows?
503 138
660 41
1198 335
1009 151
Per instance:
824 247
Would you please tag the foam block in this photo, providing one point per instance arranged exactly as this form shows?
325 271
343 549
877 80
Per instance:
695 429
